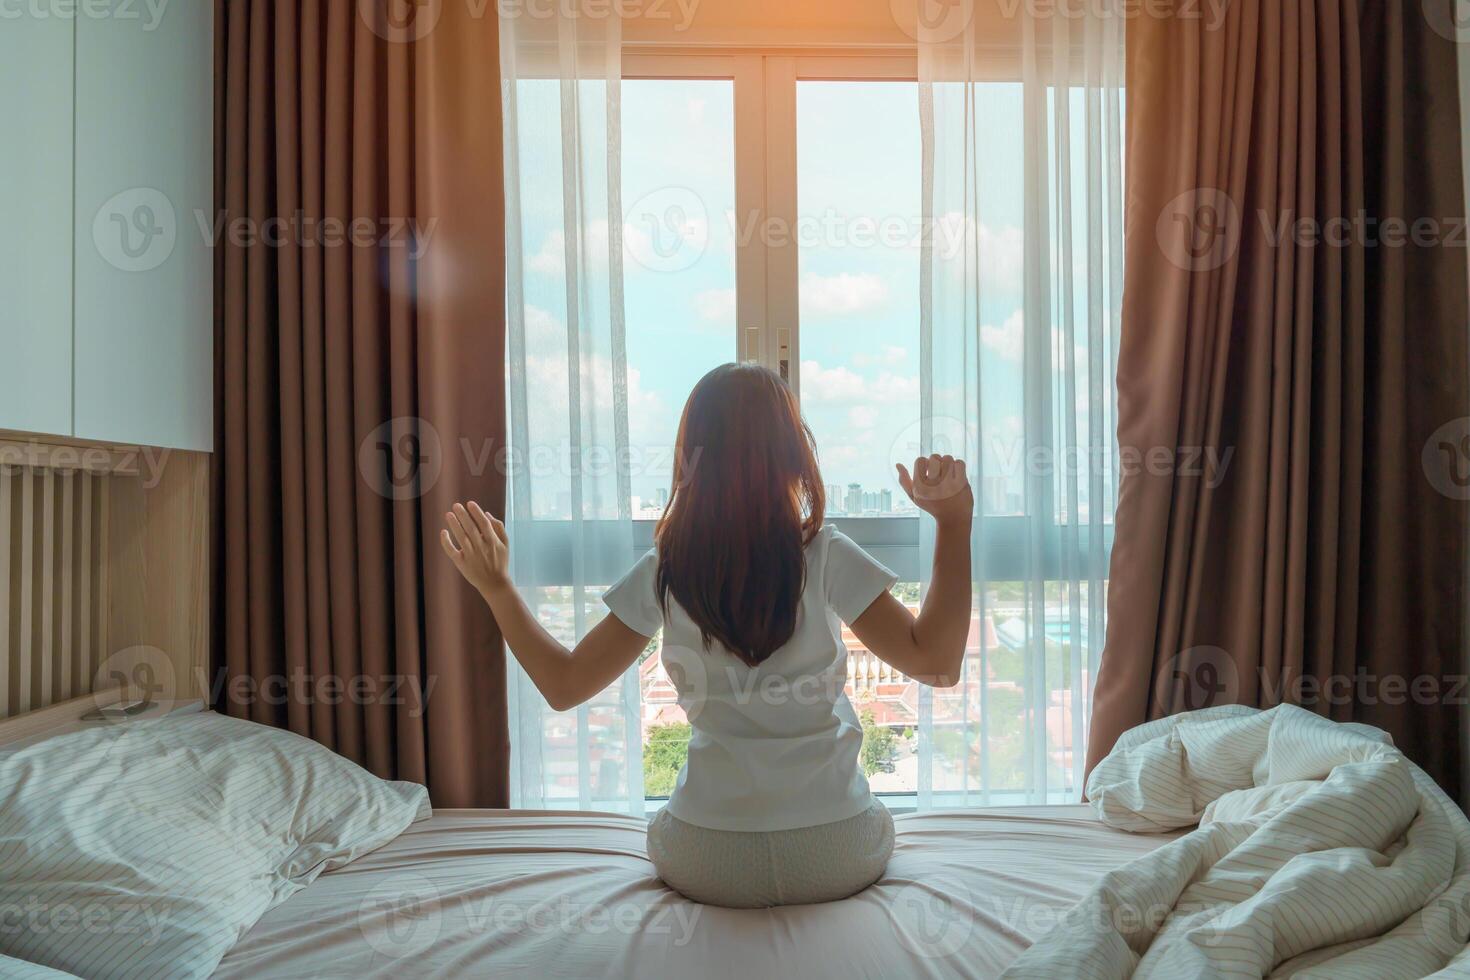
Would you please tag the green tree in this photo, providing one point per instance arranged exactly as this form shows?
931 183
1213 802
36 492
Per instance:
664 754
880 745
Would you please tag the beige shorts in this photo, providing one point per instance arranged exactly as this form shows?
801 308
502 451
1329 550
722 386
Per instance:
745 870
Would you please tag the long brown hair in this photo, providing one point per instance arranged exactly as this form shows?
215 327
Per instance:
747 499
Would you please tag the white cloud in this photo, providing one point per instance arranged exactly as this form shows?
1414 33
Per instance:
715 305
1008 341
843 293
546 378
841 384
638 249
549 259
890 355
863 416
1002 257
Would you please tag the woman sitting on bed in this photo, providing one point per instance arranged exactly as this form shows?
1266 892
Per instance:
748 586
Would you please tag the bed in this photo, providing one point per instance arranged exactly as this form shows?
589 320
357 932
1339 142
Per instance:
509 893
358 877
1225 841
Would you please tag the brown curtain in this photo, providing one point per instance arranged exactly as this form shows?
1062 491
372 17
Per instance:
360 372
1322 561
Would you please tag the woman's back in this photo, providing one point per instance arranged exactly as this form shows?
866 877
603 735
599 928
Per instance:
774 746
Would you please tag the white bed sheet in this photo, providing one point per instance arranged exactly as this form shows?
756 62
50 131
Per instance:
510 894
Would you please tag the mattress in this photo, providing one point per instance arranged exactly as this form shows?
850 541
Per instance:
510 894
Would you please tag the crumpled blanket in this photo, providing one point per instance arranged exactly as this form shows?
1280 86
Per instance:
1321 851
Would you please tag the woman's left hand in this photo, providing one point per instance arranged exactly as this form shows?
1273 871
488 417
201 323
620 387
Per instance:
478 546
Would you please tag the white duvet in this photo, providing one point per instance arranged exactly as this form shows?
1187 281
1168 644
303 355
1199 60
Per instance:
1321 852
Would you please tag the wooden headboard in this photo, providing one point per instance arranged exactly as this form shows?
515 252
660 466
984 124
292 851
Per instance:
104 570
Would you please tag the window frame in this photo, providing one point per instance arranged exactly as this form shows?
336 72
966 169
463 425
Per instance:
768 328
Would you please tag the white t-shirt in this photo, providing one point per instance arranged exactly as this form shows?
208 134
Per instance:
773 747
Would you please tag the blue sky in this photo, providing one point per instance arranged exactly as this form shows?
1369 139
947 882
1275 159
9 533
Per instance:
859 203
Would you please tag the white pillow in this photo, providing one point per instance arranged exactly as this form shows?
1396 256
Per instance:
148 848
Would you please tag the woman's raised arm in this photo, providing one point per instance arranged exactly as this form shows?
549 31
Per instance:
480 548
930 648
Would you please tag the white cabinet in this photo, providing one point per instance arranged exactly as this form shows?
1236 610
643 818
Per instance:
35 224
144 197
113 339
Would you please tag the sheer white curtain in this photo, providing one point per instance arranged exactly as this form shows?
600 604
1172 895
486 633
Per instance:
1013 731
569 511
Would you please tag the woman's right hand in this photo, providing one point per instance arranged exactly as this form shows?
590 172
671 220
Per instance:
939 487
478 546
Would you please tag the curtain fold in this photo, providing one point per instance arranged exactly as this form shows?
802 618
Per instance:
1276 319
360 359
569 460
1018 354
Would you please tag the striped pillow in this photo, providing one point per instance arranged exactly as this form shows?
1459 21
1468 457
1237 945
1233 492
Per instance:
147 848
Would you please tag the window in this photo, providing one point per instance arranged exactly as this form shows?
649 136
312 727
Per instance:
773 212
678 194
858 291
